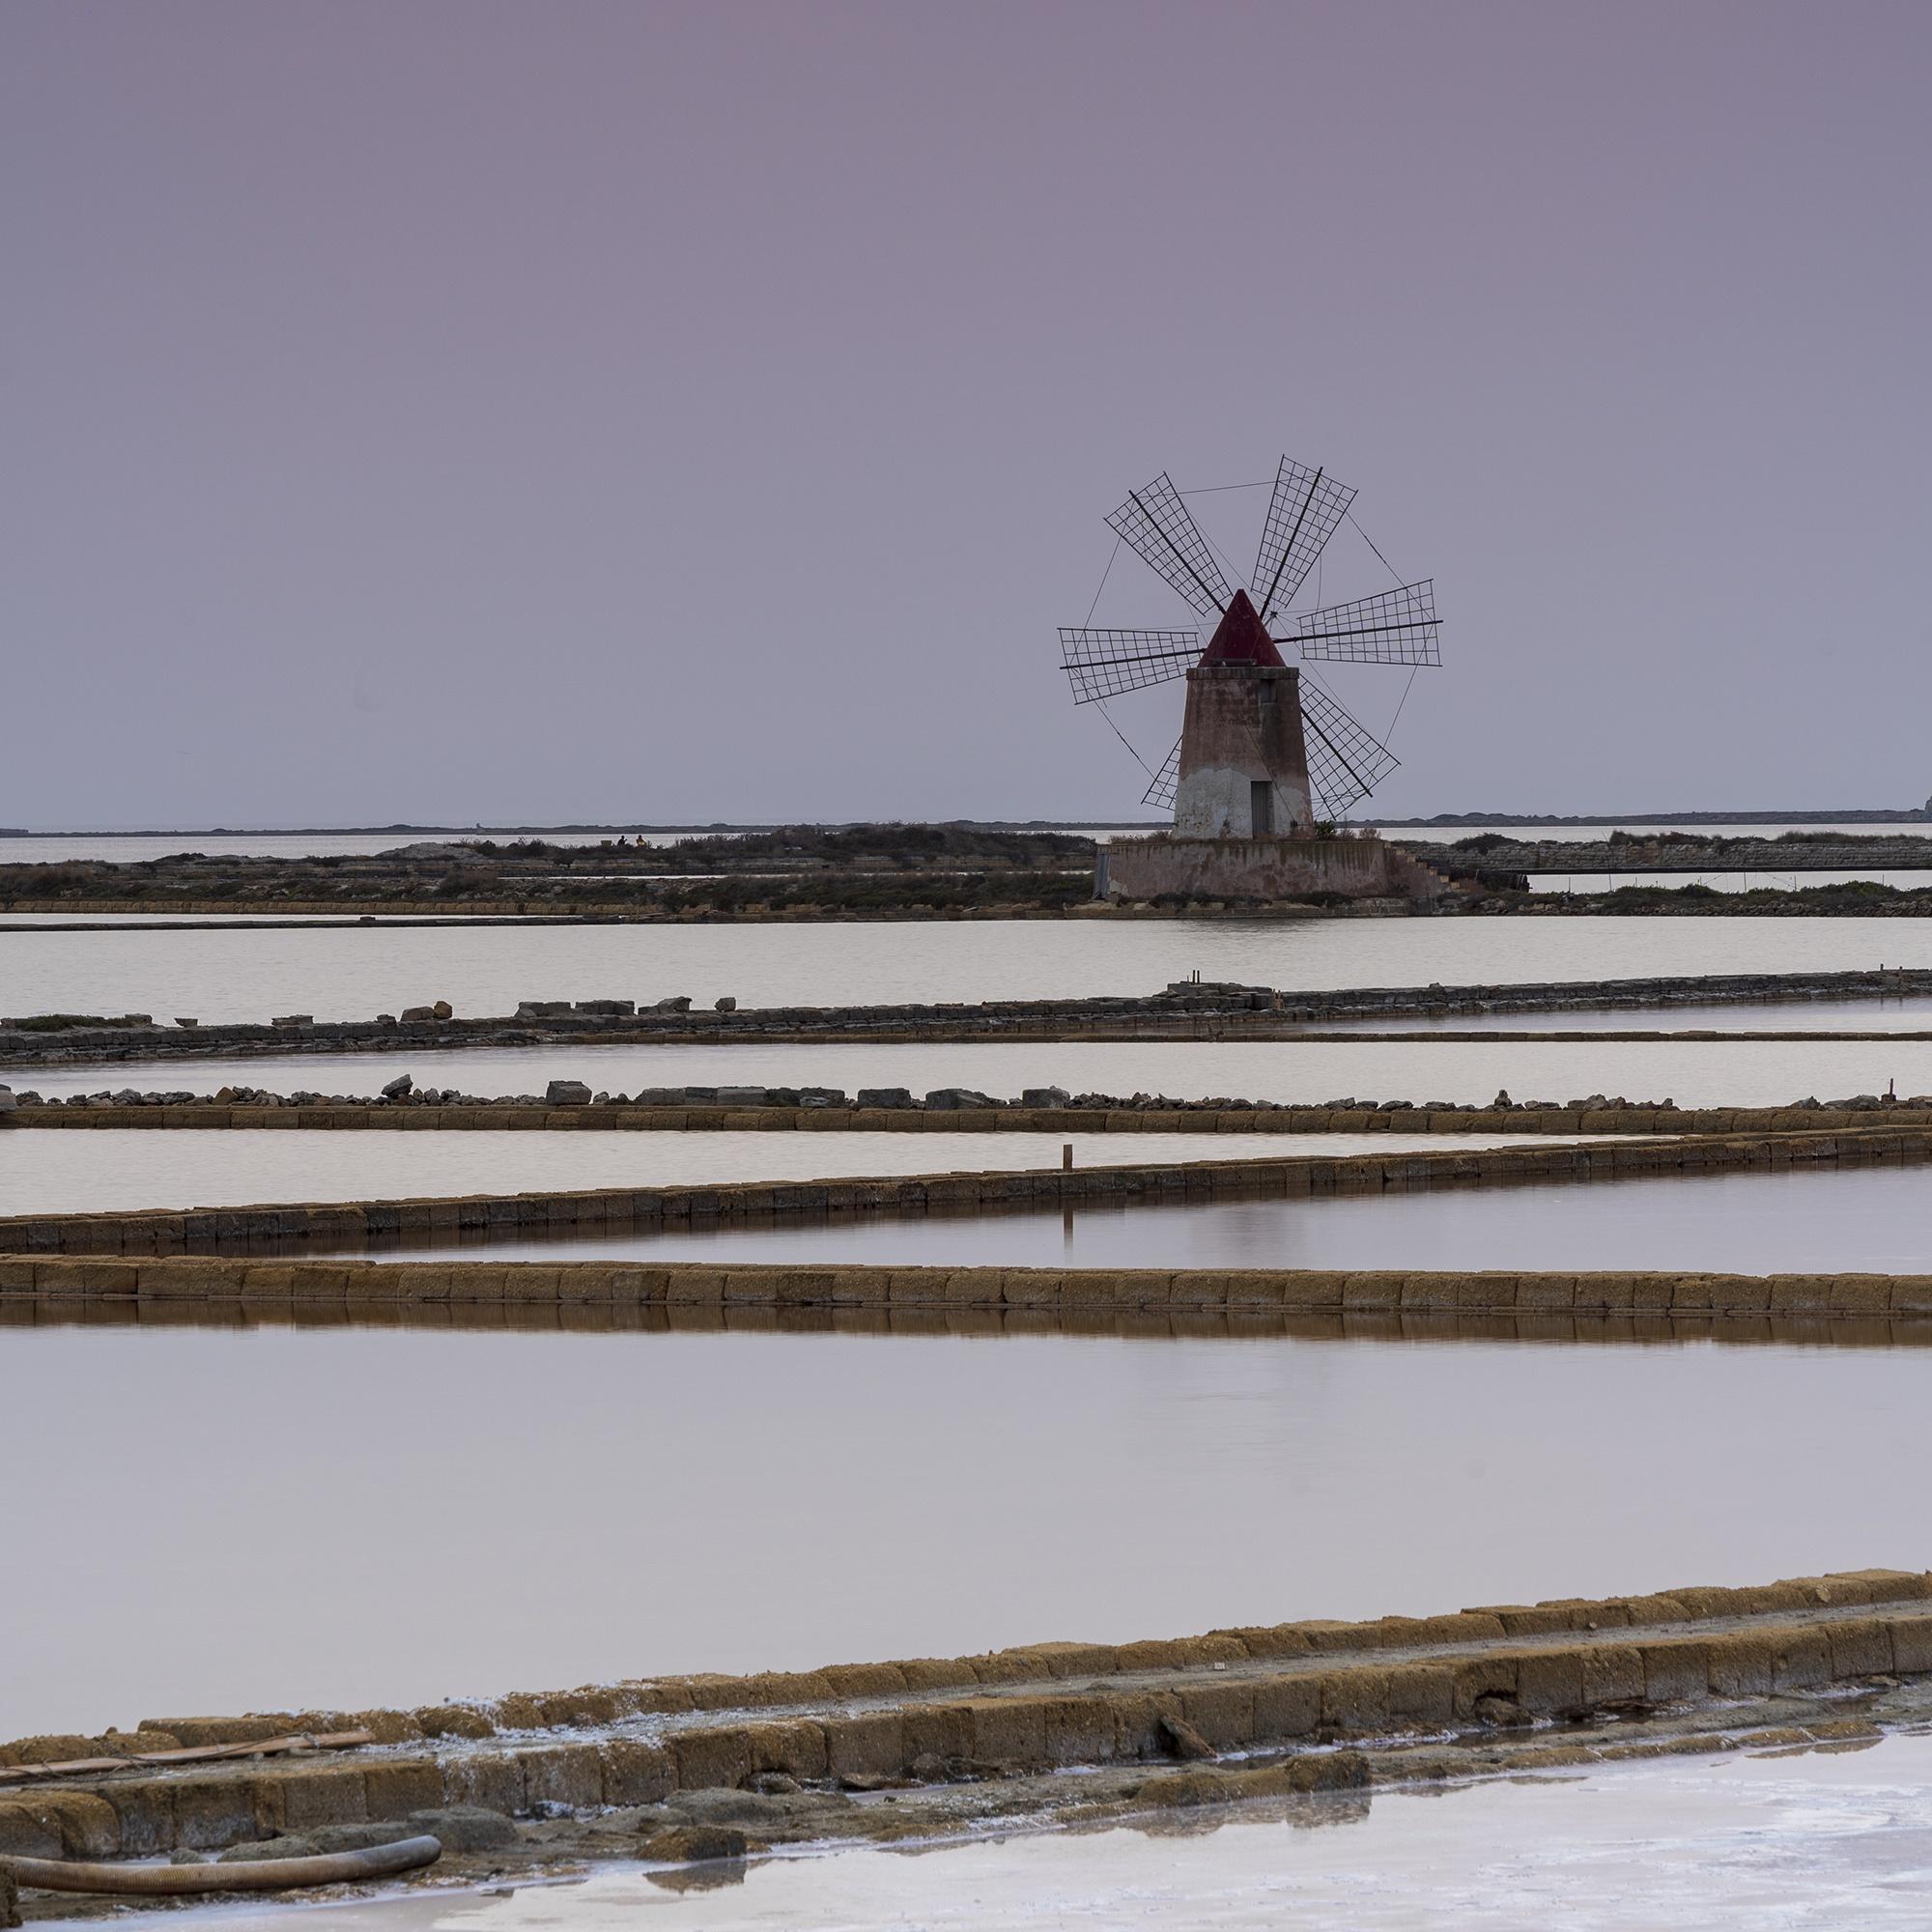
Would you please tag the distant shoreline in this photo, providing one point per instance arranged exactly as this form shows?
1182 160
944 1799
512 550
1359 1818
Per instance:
1909 817
614 830
1864 815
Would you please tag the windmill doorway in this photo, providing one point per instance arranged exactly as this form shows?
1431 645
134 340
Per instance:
1261 809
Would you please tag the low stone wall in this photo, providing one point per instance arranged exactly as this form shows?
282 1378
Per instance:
1185 1011
1040 1707
296 1226
508 1117
201 1283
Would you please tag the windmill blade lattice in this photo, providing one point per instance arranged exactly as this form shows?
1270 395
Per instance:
1345 763
1394 627
1303 513
1157 525
1104 662
1165 781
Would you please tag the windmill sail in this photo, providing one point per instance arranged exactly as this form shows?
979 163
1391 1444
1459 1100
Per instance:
1103 664
1157 523
1165 781
1302 514
1394 627
1345 763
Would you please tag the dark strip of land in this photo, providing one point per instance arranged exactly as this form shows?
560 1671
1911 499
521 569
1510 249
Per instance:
1183 1010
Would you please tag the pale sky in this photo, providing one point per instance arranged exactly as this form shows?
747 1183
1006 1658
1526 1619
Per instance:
465 411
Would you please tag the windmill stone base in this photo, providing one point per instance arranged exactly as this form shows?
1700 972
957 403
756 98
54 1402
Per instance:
1243 826
1169 864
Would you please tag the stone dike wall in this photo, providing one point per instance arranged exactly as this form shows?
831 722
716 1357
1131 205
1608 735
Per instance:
1804 1318
257 1289
503 1117
1184 1010
294 1228
1292 1687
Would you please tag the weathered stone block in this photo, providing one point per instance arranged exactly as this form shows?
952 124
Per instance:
1286 1707
396 1786
636 1772
1224 1713
1613 1674
869 1744
89 1825
1860 1648
1079 1731
1422 1693
571 1774
1675 1670
1489 1676
938 1731
796 1746
1801 1660
213 1811
1739 1665
1005 1730
145 1808
30 1829
1357 1698
1549 1682
717 1755
489 1780
1911 1643
325 1795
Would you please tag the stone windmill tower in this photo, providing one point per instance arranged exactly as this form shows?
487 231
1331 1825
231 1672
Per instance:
1264 754
1241 766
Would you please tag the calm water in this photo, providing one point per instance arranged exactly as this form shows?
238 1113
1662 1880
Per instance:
1696 1074
277 1517
1817 1843
336 971
1857 1219
102 1168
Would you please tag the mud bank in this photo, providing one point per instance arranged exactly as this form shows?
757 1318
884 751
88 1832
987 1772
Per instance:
1184 1010
303 1227
911 1747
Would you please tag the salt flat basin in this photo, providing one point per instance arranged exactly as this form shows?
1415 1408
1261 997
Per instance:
285 1519
1820 1843
84 1171
1695 1073
353 971
1794 1219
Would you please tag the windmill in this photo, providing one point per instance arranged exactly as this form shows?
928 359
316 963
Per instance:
1261 751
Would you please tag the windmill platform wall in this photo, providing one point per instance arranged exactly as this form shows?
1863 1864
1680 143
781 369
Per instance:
1168 865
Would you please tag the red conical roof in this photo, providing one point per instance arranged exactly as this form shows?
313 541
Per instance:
1241 638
